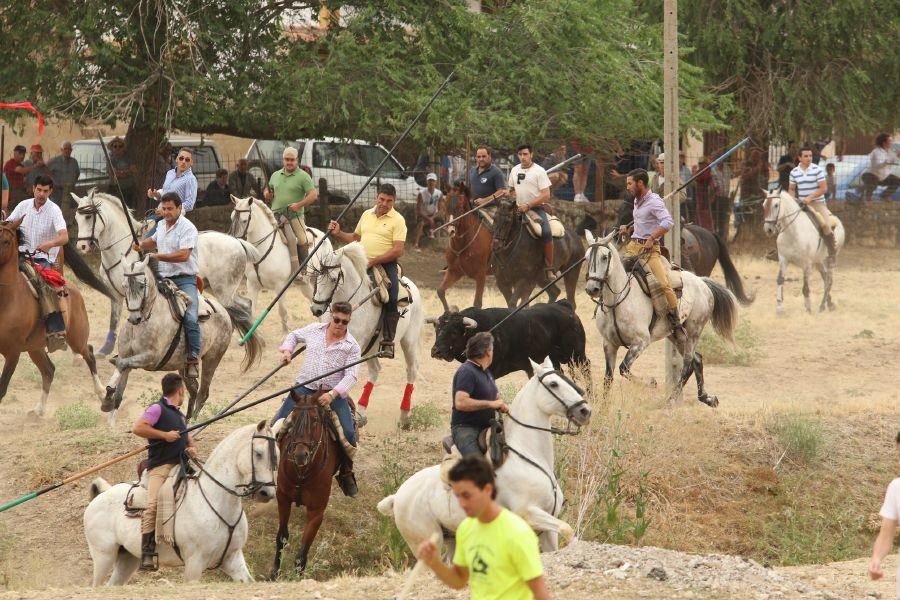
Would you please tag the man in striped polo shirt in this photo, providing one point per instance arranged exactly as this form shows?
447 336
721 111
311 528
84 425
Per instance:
807 184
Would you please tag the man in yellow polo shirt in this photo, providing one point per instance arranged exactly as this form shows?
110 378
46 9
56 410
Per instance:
290 190
496 551
382 232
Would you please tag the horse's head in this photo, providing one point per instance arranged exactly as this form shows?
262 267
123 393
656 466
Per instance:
303 431
771 212
451 333
327 279
263 464
139 286
9 241
558 395
89 220
505 222
240 217
599 257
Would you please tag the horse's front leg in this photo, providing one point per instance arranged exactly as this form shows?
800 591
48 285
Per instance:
806 301
450 277
779 285
314 519
115 309
827 280
9 367
235 567
115 390
42 361
634 351
281 538
609 355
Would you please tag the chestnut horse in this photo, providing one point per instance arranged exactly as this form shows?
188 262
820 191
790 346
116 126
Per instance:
23 327
468 252
309 459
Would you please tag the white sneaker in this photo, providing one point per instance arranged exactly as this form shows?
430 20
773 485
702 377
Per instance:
581 198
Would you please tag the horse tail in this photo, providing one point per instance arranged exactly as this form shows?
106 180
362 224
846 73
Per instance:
243 321
250 250
731 275
386 506
98 486
724 315
84 273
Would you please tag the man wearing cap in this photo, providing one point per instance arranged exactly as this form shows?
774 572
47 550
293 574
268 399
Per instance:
485 179
241 182
15 176
35 167
65 171
290 190
430 209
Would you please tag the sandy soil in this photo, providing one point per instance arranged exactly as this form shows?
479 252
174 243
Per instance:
838 363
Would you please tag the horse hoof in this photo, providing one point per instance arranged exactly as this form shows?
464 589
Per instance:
404 423
108 403
711 401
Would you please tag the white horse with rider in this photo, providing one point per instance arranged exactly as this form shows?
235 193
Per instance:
210 526
254 222
153 338
799 243
342 275
625 314
104 224
423 506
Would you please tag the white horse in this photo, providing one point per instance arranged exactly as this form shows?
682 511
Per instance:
526 484
254 222
342 276
210 523
800 244
624 314
153 340
103 223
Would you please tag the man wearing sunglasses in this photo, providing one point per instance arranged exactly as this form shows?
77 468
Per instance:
180 180
329 346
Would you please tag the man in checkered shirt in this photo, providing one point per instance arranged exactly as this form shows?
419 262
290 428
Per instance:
44 232
329 346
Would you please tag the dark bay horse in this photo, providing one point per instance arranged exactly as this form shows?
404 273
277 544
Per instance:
309 459
518 259
468 251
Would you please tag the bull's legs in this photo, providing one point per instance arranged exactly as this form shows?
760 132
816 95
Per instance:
779 285
42 361
9 367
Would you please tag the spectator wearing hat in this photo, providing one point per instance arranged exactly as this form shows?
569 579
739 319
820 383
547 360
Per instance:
65 171
14 170
35 167
124 169
163 164
241 182
218 192
431 209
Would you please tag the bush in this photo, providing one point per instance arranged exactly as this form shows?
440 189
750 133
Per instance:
425 416
799 437
76 416
717 351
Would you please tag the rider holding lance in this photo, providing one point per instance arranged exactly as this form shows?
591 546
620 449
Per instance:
290 190
485 179
531 188
162 424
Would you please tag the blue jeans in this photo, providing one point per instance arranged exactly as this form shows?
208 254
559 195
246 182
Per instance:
546 235
156 219
188 285
339 405
391 270
465 437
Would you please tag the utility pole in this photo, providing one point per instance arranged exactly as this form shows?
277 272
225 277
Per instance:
672 150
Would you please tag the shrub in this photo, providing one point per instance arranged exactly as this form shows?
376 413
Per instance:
717 351
799 437
76 416
425 416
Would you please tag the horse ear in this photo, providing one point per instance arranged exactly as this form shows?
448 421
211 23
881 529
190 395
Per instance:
262 424
234 200
589 236
78 199
15 224
146 260
534 366
547 364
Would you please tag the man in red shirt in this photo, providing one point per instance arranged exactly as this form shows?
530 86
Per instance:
15 173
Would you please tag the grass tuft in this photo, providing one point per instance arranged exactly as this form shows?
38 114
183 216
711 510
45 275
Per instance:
425 416
76 416
716 351
799 437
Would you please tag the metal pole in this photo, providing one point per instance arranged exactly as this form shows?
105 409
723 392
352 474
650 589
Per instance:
670 126
112 172
365 185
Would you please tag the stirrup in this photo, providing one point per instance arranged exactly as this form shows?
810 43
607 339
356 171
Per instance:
386 350
192 369
347 483
149 561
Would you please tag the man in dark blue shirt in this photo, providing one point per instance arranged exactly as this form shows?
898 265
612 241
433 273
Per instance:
475 396
485 179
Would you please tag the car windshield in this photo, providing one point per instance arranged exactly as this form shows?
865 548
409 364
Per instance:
356 159
91 161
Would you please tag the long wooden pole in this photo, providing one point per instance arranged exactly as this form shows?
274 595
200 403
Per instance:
670 141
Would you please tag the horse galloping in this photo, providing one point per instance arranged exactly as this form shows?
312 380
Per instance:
210 524
799 243
624 314
468 252
23 326
342 276
153 339
254 222
701 249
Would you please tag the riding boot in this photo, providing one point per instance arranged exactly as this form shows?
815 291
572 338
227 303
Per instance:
346 478
549 271
56 332
149 557
302 253
675 322
831 245
388 331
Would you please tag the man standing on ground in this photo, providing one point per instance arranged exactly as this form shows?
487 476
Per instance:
290 190
430 209
485 179
65 171
15 171
808 185
581 170
890 515
240 182
722 205
175 242
497 552
162 424
474 395
531 187
35 166
124 171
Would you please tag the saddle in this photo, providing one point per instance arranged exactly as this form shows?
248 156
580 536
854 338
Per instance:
812 215
47 287
379 279
491 441
651 286
533 225
179 301
332 425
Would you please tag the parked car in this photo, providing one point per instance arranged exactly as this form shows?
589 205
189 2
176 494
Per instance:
344 164
95 172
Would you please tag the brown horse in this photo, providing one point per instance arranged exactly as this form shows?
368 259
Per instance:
23 326
309 459
468 252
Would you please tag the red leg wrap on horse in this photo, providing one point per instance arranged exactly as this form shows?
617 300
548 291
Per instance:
367 391
407 397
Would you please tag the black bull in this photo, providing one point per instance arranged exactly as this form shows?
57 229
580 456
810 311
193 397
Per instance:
538 331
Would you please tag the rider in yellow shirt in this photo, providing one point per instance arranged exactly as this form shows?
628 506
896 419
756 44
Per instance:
496 551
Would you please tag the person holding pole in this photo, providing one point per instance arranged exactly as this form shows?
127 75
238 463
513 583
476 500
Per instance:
497 553
290 190
162 424
382 232
485 179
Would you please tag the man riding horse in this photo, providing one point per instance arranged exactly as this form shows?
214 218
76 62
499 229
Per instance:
651 222
44 230
290 190
531 189
382 232
329 346
175 242
807 184
475 398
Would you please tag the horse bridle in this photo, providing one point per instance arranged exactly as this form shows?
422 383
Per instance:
248 210
569 409
93 209
324 269
140 308
298 429
778 217
255 484
604 280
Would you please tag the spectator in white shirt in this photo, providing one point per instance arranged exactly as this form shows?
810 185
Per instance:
882 160
890 514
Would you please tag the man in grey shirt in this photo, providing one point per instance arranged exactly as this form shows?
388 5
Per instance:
65 171
485 180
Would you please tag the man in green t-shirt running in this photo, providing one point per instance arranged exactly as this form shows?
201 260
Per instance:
496 550
290 190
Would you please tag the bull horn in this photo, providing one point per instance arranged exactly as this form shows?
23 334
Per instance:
431 320
454 308
469 323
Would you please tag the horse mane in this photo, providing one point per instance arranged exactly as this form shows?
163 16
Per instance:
266 211
114 201
357 255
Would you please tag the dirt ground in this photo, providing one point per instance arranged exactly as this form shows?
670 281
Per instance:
839 363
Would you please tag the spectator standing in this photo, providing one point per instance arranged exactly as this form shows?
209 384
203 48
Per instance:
14 170
123 169
35 166
890 515
689 198
882 160
241 183
430 209
830 183
582 169
4 196
218 192
65 171
722 200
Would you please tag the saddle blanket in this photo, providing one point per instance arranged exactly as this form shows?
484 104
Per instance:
166 502
379 278
832 220
652 287
491 441
534 225
53 277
